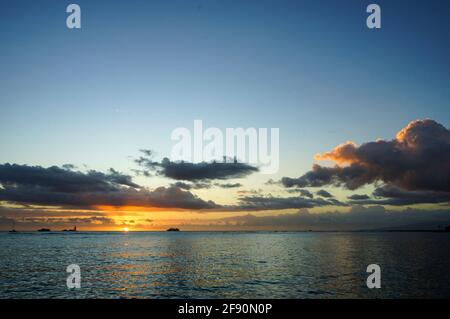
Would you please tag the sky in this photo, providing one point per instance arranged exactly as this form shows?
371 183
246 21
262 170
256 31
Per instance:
136 70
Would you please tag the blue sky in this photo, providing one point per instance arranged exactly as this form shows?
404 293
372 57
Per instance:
139 69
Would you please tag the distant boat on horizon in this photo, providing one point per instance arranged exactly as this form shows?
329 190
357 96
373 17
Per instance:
74 229
43 229
13 230
173 229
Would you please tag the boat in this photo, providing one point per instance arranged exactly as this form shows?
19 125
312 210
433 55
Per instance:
44 229
173 229
13 230
74 229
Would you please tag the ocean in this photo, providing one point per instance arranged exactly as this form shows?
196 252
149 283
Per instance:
225 264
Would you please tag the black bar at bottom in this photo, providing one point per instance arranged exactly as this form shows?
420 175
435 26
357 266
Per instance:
223 308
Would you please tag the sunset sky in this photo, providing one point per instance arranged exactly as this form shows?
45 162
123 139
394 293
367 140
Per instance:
79 109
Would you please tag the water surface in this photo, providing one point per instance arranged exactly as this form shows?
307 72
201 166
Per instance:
224 265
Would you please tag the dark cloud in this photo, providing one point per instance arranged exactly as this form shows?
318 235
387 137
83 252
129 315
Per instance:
183 185
196 171
22 184
356 197
258 202
306 193
69 167
301 191
358 218
174 197
62 180
161 197
57 187
196 185
121 179
352 177
205 185
391 195
324 193
417 160
204 171
228 185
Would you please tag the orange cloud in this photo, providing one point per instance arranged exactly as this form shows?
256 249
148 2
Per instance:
342 154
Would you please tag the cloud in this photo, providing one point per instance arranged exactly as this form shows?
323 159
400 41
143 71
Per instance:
358 218
205 185
183 185
357 197
69 167
21 212
203 171
62 180
54 186
391 195
196 185
417 160
121 179
258 202
324 193
173 197
306 193
24 218
57 187
161 197
228 185
301 191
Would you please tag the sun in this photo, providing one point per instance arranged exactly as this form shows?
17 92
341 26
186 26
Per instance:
126 229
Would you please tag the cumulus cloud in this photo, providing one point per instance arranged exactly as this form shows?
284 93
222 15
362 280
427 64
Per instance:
203 171
417 160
